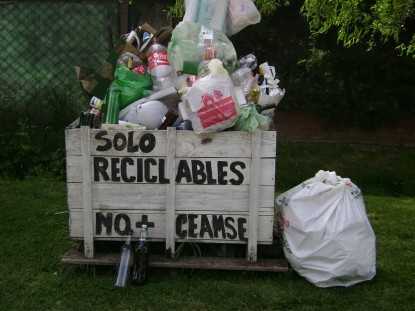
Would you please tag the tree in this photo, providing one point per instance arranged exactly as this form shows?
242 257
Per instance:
356 21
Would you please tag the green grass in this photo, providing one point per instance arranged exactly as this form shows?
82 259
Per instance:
33 224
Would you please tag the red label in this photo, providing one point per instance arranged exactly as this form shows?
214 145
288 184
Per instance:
140 69
157 59
216 111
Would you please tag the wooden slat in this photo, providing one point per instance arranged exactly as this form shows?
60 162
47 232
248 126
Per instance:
254 198
267 168
187 197
87 193
189 145
157 231
171 191
158 261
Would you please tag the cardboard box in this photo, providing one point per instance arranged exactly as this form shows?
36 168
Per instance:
97 83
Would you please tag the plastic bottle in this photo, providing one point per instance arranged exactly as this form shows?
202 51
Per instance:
186 124
125 262
160 70
141 256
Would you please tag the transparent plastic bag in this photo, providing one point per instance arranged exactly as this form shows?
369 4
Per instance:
189 42
240 14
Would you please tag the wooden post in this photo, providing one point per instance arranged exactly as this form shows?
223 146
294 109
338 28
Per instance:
171 191
87 192
254 196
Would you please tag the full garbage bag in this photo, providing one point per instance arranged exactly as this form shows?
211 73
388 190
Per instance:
132 85
327 237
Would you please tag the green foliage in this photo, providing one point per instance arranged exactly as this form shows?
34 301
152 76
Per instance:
32 140
359 21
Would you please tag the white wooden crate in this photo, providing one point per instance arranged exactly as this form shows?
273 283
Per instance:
211 188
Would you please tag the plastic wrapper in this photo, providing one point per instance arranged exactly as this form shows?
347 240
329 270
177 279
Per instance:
132 85
240 14
250 120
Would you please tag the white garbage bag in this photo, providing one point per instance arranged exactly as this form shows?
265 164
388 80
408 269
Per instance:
327 237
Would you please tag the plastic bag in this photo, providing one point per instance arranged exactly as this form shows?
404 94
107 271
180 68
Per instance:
188 45
327 237
211 103
250 120
132 85
240 14
211 13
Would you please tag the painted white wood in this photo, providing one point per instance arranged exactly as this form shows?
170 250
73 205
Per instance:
87 193
158 232
254 197
222 144
171 191
163 203
187 197
74 170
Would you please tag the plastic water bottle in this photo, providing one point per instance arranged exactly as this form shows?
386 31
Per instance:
125 262
160 70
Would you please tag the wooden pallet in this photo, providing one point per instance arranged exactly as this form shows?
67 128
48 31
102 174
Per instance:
75 256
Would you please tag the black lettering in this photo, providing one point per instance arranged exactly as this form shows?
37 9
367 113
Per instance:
210 179
127 224
101 219
199 176
205 227
115 170
100 136
241 229
234 170
228 225
147 143
130 145
181 220
222 173
117 138
192 225
162 178
147 177
140 170
183 171
100 168
218 225
124 163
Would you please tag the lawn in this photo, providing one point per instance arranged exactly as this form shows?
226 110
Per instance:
33 222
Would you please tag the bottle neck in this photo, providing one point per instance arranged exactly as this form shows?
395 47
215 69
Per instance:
143 235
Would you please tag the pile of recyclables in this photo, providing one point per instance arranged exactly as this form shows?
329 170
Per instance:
189 77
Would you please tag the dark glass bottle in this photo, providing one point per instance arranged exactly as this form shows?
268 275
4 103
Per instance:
141 256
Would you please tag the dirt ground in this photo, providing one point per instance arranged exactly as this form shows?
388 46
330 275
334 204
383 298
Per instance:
296 125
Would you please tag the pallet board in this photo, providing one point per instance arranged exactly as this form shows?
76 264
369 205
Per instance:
208 188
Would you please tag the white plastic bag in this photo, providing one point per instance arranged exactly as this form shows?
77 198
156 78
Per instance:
327 237
211 103
240 14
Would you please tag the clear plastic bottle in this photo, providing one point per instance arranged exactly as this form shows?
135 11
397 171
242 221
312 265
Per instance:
158 64
125 262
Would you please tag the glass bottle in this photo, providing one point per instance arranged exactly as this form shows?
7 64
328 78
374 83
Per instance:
125 262
141 256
